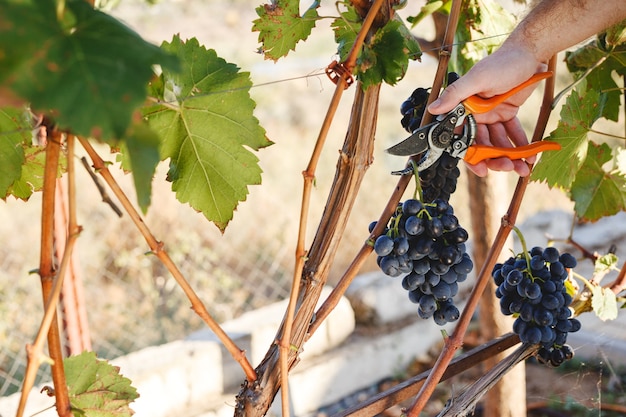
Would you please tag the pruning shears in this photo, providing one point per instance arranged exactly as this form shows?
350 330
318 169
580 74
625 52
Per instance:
438 137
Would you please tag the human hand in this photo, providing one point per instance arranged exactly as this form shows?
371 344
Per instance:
496 74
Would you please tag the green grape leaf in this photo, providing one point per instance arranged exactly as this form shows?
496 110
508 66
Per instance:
140 155
604 303
281 27
86 69
207 130
478 32
385 57
597 63
429 8
96 388
33 169
14 134
605 263
346 28
596 192
559 168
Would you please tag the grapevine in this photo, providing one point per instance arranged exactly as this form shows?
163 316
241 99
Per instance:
422 241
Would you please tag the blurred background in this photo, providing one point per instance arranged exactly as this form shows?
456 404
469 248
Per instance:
131 300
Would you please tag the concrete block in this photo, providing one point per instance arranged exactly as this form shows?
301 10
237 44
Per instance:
378 299
38 404
258 328
173 376
325 379
232 374
168 378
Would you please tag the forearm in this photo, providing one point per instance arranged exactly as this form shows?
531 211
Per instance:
555 25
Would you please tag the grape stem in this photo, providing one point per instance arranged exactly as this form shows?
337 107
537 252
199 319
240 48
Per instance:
585 281
417 194
524 247
394 230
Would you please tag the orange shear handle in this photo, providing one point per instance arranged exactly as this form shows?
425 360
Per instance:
478 153
475 104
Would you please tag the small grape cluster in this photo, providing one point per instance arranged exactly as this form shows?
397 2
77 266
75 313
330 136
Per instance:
532 287
426 242
440 179
412 109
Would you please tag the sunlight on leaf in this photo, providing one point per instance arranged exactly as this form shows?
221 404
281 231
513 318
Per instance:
427 9
208 132
482 25
281 27
385 57
33 169
596 192
96 388
14 133
559 168
604 303
605 263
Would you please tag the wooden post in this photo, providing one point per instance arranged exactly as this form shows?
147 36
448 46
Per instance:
488 200
72 301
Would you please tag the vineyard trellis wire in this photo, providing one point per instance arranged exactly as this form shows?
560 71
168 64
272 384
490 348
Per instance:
131 300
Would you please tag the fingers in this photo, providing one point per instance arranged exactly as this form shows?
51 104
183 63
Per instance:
480 169
451 96
502 135
518 136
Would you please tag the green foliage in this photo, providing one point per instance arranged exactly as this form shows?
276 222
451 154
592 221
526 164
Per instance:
598 192
593 173
346 27
590 172
605 263
96 388
140 155
81 66
604 303
385 57
15 134
21 161
207 129
431 6
597 61
281 27
481 25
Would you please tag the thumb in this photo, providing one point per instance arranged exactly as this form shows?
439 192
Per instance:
450 97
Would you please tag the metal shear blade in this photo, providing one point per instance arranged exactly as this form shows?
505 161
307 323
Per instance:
414 144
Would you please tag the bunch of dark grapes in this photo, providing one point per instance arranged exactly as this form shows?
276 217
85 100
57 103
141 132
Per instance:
532 287
425 242
439 180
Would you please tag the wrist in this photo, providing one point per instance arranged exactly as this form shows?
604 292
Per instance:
526 49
